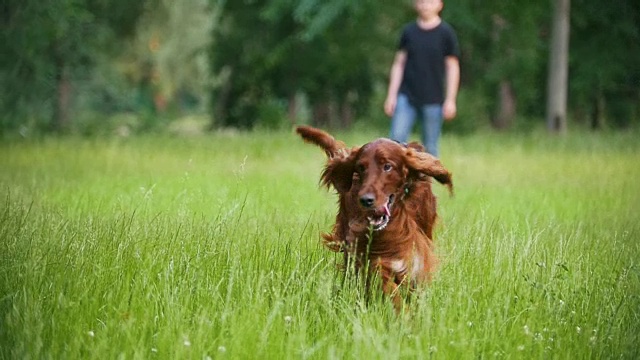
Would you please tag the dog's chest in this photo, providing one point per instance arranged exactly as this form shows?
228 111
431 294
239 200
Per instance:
412 268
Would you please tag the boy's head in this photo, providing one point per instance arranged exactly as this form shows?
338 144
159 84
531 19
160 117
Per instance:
428 8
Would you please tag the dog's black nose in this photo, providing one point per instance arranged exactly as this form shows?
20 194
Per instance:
367 200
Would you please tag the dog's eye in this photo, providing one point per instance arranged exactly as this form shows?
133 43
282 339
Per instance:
387 167
360 169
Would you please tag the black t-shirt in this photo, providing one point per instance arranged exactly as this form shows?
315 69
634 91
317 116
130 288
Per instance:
423 79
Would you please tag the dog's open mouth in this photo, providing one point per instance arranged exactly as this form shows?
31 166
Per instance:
379 219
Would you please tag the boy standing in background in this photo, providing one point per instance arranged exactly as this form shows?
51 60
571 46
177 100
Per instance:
425 67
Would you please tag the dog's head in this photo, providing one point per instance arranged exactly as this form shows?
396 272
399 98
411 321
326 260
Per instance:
377 174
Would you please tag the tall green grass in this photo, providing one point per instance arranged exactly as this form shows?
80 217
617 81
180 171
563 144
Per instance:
208 247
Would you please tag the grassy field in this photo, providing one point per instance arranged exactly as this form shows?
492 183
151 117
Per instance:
208 247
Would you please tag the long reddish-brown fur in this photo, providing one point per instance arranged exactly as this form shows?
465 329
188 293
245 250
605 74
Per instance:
386 208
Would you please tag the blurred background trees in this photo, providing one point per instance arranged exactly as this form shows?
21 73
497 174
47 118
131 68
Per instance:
103 66
46 47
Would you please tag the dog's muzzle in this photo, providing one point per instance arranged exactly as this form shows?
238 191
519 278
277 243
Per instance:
380 217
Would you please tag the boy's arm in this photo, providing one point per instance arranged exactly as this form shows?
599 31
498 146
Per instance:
452 66
395 79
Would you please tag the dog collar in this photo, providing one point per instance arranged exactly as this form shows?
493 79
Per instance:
406 190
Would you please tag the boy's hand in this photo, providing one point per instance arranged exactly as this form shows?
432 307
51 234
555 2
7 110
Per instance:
449 110
390 105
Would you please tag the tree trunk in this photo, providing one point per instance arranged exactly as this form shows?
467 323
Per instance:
507 107
60 121
558 68
599 112
221 100
346 115
321 114
292 109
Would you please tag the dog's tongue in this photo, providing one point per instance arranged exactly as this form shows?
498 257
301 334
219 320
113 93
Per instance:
386 210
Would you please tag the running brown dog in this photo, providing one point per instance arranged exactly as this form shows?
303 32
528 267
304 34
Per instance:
387 209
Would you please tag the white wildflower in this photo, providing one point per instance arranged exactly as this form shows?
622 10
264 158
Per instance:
91 333
222 349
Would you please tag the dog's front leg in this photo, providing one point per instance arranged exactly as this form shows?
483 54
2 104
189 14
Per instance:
391 289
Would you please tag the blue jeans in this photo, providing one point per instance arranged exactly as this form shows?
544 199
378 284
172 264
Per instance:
404 118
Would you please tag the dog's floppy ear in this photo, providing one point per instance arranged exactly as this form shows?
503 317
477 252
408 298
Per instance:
428 164
416 145
326 142
339 170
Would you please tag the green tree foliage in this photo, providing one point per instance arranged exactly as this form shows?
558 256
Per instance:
261 55
342 49
170 46
243 53
45 44
330 51
503 54
605 62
